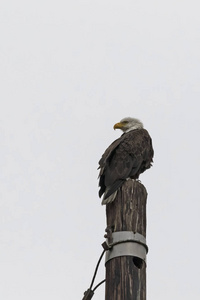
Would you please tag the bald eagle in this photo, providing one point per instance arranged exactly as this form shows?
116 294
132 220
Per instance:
127 157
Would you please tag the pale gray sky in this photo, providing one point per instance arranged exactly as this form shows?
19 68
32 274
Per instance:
69 71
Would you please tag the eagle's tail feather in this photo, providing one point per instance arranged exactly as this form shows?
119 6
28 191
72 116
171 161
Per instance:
111 192
110 199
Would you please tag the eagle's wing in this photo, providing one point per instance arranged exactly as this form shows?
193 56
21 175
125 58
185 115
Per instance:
123 164
104 161
108 152
119 167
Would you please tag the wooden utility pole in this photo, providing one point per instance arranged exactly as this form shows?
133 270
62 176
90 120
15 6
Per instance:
125 268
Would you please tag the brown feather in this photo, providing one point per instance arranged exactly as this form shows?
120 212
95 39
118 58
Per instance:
126 157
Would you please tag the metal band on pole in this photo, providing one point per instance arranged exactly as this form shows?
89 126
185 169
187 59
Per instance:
127 243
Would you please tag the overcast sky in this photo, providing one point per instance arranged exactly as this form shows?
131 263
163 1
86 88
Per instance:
69 70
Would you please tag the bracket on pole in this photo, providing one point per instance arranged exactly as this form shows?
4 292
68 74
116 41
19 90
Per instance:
88 295
126 243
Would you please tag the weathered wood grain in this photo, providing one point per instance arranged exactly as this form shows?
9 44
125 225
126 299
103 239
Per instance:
126 276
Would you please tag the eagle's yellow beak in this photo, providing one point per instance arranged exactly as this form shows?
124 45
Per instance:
118 126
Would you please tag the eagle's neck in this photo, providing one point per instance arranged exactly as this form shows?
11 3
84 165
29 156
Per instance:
136 126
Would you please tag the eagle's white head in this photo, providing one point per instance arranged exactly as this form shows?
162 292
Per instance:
128 124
